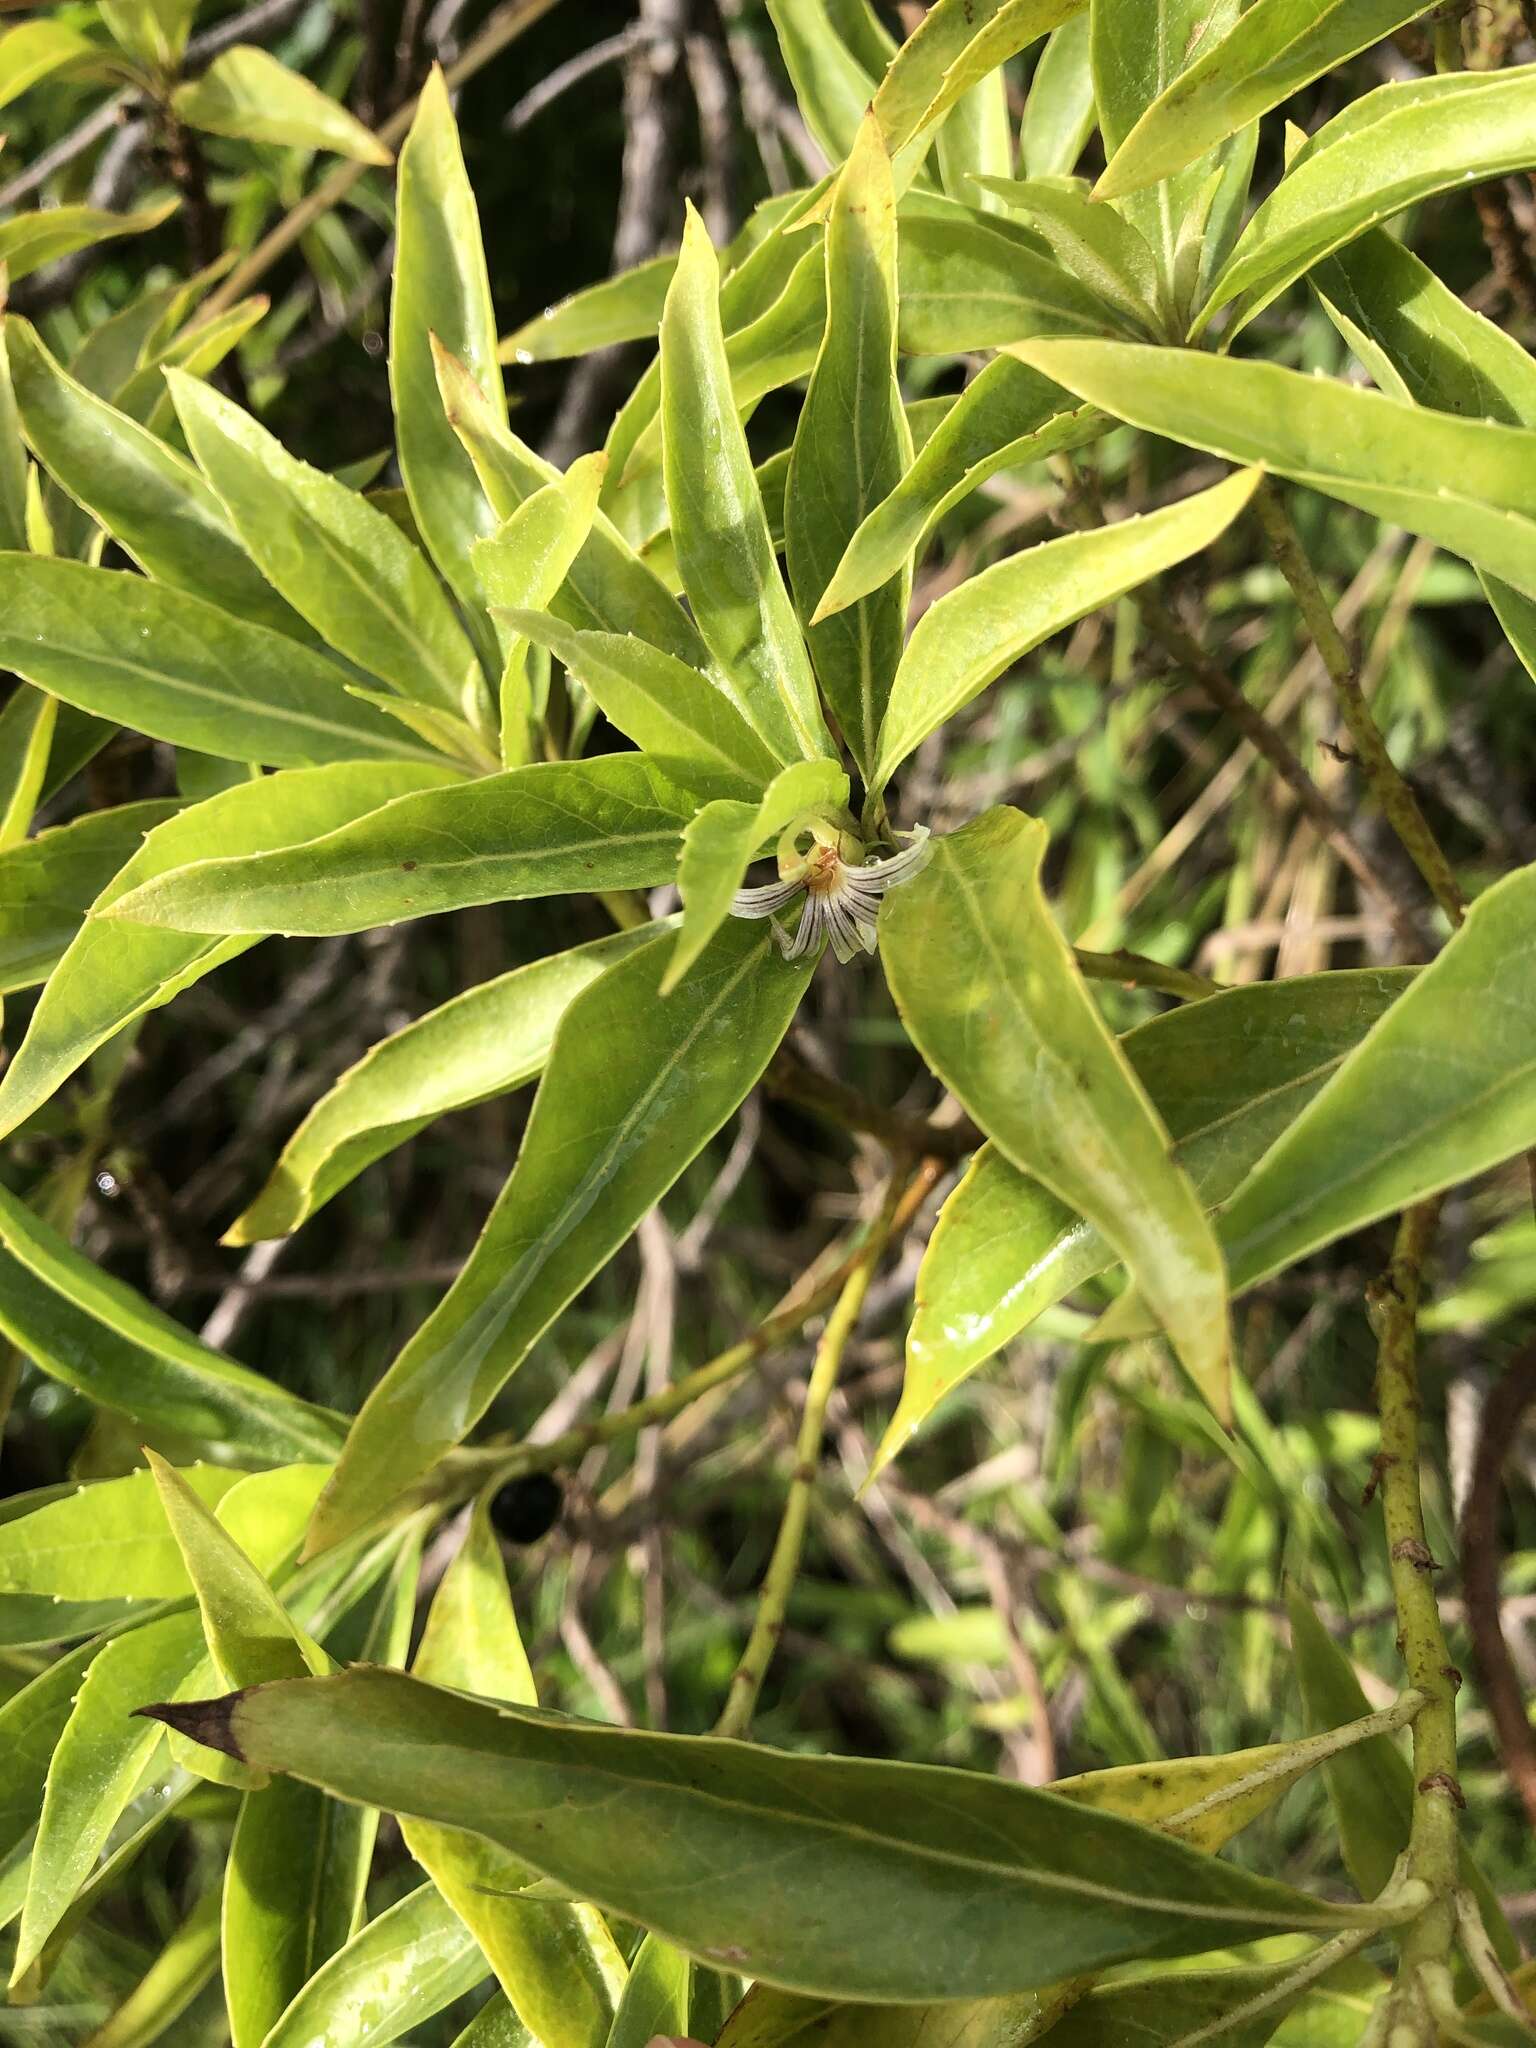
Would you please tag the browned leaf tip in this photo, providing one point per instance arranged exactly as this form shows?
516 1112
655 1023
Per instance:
210 1722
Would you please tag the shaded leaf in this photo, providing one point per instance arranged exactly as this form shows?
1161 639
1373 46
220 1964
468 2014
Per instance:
29 240
956 43
969 284
47 884
722 1842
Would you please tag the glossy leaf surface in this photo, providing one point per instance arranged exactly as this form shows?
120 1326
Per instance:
988 990
105 1541
969 637
719 531
956 43
613 822
635 1086
410 1962
1227 1076
247 93
111 974
179 669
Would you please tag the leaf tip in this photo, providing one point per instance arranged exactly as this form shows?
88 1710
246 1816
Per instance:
209 1722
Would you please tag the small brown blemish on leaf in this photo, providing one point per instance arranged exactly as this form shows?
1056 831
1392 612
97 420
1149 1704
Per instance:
408 867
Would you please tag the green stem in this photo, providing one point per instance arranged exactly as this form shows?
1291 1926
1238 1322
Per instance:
465 1471
1399 805
784 1564
1433 1844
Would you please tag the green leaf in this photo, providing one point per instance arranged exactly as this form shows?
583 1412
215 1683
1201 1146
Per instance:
719 530
176 667
1370 1786
609 589
31 1722
1059 114
173 1980
662 704
93 1333
478 1045
623 308
27 723
1272 51
956 43
249 1633
29 240
154 31
13 462
1107 253
1402 1117
991 996
1008 416
973 634
1227 1076
110 975
496 2025
558 1965
342 564
298 1862
850 449
612 822
1470 485
247 93
975 141
47 884
1386 151
525 564
634 1088
716 1845
104 1752
657 1997
969 283
147 497
414 1959
442 299
101 1757
831 86
34 50
108 1540
723 839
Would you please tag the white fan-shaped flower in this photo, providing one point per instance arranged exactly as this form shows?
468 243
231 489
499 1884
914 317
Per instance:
841 885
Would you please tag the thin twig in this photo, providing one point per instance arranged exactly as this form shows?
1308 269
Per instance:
612 50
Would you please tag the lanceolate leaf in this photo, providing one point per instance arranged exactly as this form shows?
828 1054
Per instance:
1395 146
968 284
480 1044
831 85
1060 115
247 93
722 1843
662 704
1273 50
343 565
958 42
1094 243
719 531
851 446
147 497
612 822
410 1962
1227 1076
48 883
1009 416
635 1086
1468 484
442 298
558 1965
1016 1036
110 974
33 49
90 1331
1458 1047
29 240
1136 60
623 308
180 669
609 589
972 635
109 1540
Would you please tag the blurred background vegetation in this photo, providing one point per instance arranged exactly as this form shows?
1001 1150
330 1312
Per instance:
1057 1516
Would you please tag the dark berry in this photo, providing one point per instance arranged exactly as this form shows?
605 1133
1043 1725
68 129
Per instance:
525 1509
